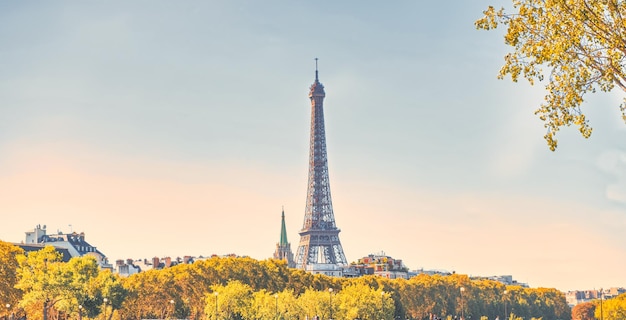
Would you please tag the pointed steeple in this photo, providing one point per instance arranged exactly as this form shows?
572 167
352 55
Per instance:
283 231
283 248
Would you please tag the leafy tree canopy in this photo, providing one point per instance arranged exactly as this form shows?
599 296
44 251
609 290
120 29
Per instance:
8 275
581 43
583 311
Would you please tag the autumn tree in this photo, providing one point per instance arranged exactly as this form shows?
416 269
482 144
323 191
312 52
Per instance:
42 280
79 275
231 301
314 303
580 43
583 311
189 291
259 307
288 307
147 294
612 309
109 286
358 301
9 295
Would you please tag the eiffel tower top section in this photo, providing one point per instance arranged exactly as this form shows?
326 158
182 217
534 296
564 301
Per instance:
317 89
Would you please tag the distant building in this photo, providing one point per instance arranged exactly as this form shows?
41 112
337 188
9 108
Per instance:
283 248
613 292
130 266
505 279
579 296
414 273
126 268
381 265
74 243
143 264
327 269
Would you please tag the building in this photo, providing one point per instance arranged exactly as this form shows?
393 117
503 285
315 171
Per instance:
381 265
74 243
130 266
579 296
319 250
283 248
612 292
504 279
327 269
414 273
126 268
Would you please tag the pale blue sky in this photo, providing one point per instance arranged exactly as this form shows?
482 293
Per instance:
167 128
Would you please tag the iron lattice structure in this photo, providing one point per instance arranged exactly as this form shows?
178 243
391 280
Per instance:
319 237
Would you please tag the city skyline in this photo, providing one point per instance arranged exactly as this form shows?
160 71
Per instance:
174 129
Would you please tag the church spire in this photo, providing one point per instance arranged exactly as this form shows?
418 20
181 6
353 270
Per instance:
283 231
283 248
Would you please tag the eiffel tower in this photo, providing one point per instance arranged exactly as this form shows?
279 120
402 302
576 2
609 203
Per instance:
319 237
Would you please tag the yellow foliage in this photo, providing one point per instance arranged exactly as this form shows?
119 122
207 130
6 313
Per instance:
8 277
581 42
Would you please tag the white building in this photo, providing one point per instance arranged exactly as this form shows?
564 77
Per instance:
331 270
74 243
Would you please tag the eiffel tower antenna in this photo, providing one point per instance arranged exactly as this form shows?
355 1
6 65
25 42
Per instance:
316 77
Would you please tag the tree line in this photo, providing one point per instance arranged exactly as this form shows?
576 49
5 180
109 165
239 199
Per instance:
40 286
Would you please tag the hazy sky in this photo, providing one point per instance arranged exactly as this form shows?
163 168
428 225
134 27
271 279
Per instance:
169 128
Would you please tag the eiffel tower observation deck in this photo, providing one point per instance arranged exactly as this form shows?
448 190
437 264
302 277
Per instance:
319 248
